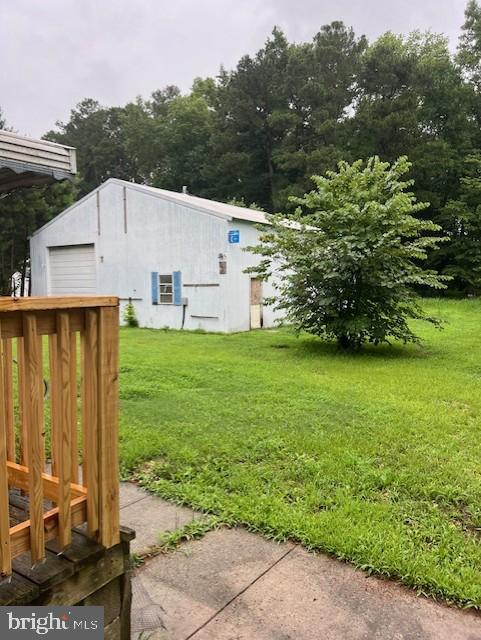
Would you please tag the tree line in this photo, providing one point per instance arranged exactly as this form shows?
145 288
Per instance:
257 133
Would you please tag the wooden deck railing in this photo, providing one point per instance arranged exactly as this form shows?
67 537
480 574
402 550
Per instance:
58 447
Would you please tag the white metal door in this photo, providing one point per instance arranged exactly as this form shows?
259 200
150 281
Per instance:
72 270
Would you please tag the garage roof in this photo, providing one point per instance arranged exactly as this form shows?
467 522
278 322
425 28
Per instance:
221 209
212 207
26 162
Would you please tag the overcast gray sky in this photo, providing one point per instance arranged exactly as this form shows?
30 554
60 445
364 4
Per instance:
53 53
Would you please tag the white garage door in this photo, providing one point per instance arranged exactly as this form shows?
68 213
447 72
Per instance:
72 270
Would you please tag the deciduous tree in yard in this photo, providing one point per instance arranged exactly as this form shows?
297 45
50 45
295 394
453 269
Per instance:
350 257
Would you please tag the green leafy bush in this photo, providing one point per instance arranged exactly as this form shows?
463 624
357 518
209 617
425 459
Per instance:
348 260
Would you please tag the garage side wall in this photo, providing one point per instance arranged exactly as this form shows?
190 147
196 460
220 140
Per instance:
165 237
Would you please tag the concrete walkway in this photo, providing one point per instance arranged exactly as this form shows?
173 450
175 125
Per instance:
234 585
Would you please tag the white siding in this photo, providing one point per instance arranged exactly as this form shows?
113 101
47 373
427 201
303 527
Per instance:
204 302
71 270
238 259
157 236
164 237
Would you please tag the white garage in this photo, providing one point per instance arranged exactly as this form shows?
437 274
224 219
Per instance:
71 270
178 258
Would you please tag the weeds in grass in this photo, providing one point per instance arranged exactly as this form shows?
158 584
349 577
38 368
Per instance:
170 540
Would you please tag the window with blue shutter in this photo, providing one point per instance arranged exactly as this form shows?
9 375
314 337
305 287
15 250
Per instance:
155 287
166 289
177 282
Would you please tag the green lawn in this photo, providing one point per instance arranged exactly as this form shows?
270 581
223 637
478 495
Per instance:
374 457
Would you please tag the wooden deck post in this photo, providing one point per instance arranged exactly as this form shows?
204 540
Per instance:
54 401
5 555
33 414
22 400
73 408
64 432
108 374
8 397
90 418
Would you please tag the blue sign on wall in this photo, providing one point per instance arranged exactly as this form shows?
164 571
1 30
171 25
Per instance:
234 236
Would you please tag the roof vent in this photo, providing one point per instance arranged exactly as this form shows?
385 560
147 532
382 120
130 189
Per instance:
184 189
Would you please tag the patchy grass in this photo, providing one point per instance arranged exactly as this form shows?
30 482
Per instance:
170 540
374 457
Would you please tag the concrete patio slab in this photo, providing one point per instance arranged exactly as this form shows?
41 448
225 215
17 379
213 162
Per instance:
308 597
129 493
234 585
150 516
196 581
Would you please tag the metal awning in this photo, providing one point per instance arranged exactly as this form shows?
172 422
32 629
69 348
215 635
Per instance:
26 162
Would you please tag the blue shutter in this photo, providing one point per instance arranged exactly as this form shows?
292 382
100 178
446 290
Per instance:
155 287
177 282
